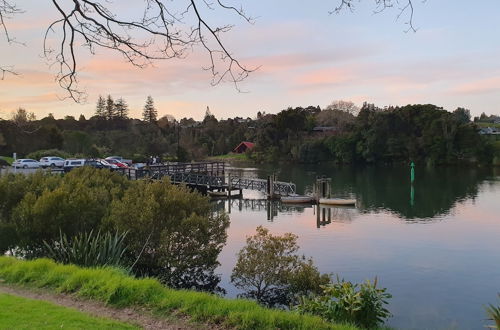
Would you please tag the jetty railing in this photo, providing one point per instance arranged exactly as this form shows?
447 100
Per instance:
210 175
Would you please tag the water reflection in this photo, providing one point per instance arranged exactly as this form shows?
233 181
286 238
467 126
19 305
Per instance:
435 191
441 269
325 215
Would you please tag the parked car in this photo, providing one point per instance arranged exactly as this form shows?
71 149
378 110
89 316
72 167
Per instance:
116 162
70 164
51 161
108 164
26 163
120 159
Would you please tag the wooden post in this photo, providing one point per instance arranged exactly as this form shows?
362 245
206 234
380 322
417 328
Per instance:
318 211
229 187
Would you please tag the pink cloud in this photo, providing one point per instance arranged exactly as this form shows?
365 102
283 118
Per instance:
480 86
325 77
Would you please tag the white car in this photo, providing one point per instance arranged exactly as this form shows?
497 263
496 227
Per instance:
69 164
52 162
26 163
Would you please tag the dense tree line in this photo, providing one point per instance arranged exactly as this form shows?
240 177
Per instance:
341 132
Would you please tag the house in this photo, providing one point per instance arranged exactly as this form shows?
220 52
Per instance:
489 131
325 129
243 147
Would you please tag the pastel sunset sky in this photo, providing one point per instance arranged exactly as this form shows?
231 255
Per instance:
305 55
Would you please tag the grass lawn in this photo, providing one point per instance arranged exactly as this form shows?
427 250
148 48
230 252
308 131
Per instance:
7 159
481 124
115 288
22 313
229 156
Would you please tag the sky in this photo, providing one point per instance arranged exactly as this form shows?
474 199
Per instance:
305 56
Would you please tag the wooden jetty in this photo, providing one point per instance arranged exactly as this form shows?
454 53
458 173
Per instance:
211 176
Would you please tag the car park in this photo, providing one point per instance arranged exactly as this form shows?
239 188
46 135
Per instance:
51 161
26 163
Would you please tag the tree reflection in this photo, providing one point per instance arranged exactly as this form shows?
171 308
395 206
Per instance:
436 189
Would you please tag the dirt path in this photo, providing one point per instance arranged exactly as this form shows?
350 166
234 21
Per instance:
142 318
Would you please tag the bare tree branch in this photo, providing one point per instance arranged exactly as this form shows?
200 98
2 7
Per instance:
7 9
405 7
160 33
7 70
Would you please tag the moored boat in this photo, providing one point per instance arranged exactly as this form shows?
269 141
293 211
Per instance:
217 193
296 199
337 201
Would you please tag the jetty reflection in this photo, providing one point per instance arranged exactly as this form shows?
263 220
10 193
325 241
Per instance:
322 214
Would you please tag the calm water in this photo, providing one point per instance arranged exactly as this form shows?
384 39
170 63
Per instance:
439 255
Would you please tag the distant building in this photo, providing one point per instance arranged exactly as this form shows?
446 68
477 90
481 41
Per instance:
325 129
243 147
489 131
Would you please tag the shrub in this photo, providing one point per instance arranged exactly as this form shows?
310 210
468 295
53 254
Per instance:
173 231
270 270
87 249
344 301
494 315
74 203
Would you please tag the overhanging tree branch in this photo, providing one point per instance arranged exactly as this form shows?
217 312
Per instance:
160 33
405 7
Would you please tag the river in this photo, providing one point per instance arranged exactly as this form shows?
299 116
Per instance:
436 249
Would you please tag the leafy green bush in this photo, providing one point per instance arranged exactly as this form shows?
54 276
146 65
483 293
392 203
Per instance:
88 249
270 270
115 288
494 315
344 301
74 203
174 232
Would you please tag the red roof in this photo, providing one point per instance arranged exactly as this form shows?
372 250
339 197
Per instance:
248 145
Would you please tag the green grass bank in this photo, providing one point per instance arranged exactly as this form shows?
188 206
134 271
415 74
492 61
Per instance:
7 159
22 313
115 288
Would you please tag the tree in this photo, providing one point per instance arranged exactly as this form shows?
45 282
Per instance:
100 109
462 115
121 109
345 106
149 114
174 231
21 117
270 270
109 110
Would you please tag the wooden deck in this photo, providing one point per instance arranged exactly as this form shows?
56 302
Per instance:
209 176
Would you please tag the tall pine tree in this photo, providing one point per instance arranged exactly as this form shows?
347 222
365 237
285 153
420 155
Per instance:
100 109
110 108
149 114
121 109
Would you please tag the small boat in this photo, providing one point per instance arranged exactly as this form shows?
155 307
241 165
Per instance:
337 201
296 199
217 193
